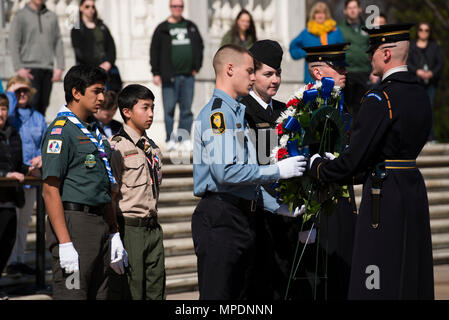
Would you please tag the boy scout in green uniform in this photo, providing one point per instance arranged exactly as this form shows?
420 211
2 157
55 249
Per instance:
77 193
136 165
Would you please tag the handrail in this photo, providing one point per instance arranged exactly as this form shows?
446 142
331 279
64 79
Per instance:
40 224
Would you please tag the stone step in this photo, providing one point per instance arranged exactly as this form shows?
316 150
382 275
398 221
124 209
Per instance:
182 282
170 214
441 256
176 158
171 199
180 246
435 173
439 225
432 161
439 211
440 241
177 183
435 149
177 230
177 170
180 264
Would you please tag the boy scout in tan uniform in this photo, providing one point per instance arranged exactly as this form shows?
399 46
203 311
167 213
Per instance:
136 163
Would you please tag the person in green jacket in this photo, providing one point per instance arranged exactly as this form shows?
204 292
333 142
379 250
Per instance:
359 67
242 32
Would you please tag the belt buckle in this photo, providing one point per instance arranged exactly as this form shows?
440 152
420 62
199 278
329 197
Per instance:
253 206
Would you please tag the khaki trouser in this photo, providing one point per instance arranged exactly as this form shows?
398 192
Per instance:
145 275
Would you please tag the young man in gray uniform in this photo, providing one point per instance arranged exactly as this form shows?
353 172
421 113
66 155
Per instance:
227 178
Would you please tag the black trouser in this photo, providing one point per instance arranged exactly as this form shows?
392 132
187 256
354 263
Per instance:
8 226
356 87
42 83
224 245
89 234
276 239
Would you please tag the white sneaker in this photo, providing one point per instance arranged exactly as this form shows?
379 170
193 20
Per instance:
171 145
186 146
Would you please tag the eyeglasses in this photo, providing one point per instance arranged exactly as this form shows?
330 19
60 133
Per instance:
176 7
424 30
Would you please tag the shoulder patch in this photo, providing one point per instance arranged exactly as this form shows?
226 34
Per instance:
217 123
56 131
54 146
60 123
217 104
375 95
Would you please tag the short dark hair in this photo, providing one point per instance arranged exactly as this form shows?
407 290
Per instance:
257 64
349 1
130 95
80 77
110 101
4 101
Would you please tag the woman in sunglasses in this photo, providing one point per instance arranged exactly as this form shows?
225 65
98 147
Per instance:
31 126
426 61
94 45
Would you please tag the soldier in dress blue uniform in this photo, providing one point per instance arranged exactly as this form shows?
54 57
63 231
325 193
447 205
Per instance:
227 178
392 256
337 230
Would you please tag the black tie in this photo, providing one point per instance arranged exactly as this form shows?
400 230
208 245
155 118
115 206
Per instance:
270 110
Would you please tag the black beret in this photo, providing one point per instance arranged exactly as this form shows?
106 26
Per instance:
388 33
334 54
268 52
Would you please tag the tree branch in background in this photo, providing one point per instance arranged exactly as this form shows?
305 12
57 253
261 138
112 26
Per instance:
437 13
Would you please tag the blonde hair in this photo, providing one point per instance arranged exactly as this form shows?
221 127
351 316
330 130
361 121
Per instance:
320 7
18 79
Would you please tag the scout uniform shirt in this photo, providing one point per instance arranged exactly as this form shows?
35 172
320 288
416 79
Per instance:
138 174
69 155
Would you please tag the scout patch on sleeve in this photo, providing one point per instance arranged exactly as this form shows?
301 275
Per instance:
54 146
375 95
60 123
56 131
217 123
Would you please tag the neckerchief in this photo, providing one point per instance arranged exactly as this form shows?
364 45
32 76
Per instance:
65 112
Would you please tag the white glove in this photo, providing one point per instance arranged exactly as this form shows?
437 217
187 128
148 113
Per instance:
329 156
316 155
292 167
68 257
119 256
284 211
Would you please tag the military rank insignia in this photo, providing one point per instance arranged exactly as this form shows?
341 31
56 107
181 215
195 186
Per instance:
217 123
